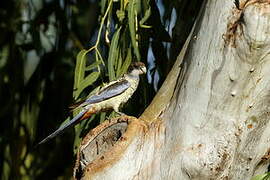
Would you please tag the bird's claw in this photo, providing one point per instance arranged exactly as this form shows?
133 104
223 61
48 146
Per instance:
120 113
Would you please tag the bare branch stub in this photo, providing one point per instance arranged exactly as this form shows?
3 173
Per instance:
99 141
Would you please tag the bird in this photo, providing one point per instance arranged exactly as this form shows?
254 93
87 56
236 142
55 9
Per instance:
111 96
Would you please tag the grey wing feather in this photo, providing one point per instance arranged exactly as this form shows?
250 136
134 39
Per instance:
108 92
61 129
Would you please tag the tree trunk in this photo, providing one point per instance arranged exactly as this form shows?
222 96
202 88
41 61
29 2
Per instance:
210 119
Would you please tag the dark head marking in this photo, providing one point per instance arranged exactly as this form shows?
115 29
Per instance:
136 65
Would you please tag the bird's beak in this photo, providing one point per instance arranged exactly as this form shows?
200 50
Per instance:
144 70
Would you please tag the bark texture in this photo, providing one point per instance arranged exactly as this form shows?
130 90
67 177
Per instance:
210 119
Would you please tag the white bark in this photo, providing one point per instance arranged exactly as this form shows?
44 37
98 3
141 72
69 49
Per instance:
217 124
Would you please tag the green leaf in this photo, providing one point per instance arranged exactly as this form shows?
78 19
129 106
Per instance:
120 15
132 27
90 79
117 60
79 69
146 16
261 177
103 6
64 122
138 6
267 177
119 64
93 66
112 115
113 53
102 117
126 63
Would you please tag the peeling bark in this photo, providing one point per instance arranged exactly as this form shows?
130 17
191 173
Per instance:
210 119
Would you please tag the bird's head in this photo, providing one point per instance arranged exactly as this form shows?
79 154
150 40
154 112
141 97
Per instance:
137 68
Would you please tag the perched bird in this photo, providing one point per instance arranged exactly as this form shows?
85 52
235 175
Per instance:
111 96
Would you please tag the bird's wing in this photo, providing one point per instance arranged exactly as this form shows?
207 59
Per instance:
107 92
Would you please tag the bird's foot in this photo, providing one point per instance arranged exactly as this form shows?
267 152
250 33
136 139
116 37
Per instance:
120 113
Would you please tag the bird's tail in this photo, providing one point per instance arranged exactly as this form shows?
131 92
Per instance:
61 129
